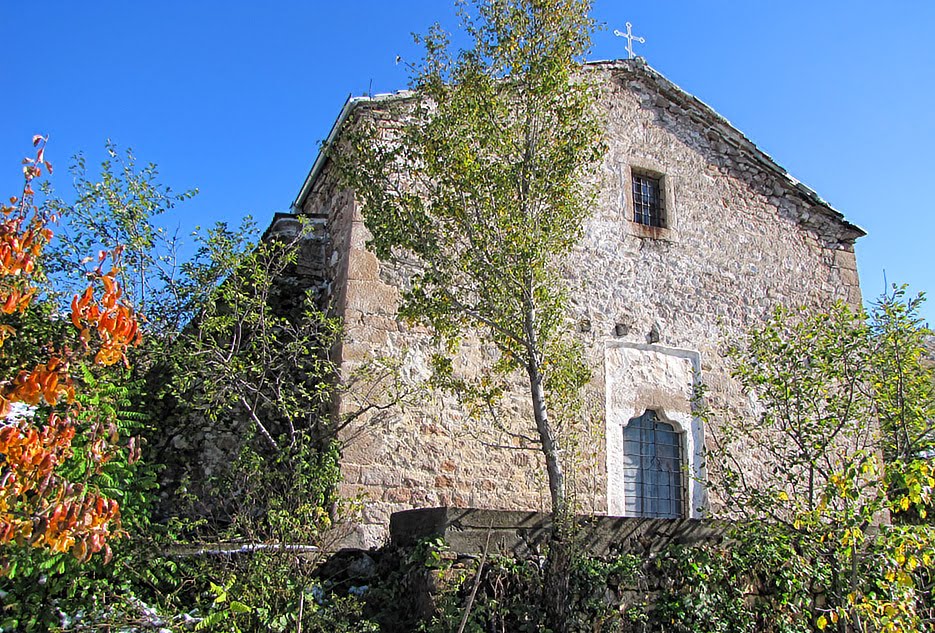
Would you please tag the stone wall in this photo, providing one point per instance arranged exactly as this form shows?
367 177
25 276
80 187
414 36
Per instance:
742 238
472 531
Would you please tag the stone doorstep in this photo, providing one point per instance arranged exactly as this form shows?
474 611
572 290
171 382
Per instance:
465 530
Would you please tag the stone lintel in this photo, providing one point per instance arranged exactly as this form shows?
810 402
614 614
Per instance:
465 530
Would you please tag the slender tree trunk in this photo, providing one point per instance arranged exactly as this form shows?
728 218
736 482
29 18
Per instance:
558 566
549 446
540 412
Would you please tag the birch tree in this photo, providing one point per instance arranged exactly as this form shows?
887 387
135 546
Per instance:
486 185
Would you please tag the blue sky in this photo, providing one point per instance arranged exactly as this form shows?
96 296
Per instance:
233 97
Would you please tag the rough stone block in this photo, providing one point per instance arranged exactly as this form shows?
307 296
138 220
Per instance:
465 530
362 265
371 297
398 495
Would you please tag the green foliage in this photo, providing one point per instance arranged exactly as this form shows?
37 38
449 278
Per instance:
758 580
258 348
115 398
43 591
902 377
270 590
35 329
485 187
229 340
840 447
254 366
117 206
747 585
510 596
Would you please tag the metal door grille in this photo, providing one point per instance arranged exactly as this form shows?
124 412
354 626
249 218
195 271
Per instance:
648 207
653 485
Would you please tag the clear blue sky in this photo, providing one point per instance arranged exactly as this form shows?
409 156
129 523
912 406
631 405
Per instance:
233 97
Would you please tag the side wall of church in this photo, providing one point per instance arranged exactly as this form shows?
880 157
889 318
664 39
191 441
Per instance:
652 307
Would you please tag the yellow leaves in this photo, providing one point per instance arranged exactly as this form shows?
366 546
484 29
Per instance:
783 495
78 522
6 331
24 232
15 300
850 537
842 482
31 454
821 622
67 517
845 538
904 579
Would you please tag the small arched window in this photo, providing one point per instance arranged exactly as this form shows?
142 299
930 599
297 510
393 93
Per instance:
653 468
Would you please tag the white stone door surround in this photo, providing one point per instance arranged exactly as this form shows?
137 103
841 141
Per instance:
641 376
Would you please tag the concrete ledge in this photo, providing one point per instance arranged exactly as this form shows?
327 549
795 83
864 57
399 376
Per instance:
523 533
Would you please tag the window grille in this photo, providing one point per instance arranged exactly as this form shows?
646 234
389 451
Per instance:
648 201
653 480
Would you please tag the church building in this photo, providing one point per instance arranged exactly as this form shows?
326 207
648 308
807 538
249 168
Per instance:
697 236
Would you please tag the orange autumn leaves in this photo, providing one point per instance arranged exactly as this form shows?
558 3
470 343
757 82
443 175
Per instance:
38 506
112 318
24 233
66 516
46 382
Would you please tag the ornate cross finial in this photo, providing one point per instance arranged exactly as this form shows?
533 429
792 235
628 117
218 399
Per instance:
630 39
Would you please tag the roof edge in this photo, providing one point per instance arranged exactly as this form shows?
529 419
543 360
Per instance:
767 161
638 63
299 201
349 105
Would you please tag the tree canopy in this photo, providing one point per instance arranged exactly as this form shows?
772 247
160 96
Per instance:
486 184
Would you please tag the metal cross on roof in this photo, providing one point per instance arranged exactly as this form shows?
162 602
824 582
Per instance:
630 39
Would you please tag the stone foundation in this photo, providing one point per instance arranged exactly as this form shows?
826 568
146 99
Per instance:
520 534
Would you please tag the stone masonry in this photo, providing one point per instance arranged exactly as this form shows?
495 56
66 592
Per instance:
651 305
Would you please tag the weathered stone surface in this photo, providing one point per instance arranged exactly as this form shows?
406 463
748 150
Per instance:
742 238
466 531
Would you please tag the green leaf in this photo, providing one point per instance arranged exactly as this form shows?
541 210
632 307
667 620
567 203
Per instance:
239 607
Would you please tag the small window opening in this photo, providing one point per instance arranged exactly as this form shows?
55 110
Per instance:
648 201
